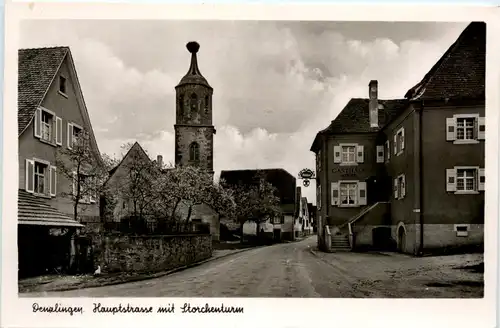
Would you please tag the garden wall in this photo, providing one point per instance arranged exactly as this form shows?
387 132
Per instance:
152 253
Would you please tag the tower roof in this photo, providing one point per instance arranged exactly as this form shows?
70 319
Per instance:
193 76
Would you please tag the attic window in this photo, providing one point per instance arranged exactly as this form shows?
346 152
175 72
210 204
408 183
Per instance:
62 85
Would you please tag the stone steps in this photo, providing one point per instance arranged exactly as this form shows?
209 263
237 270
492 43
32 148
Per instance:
340 243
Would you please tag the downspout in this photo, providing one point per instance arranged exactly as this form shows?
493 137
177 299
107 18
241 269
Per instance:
421 184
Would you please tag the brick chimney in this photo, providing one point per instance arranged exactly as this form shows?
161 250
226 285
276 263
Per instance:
159 161
373 105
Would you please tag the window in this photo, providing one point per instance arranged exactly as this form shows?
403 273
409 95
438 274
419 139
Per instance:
47 126
74 133
399 142
40 178
87 186
348 154
400 187
193 103
465 128
207 105
62 85
462 230
47 122
380 154
181 101
348 193
465 180
194 152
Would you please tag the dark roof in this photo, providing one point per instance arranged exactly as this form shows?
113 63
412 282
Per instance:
194 76
354 118
35 211
37 68
281 179
460 72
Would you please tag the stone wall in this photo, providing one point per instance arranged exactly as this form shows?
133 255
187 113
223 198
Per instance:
152 253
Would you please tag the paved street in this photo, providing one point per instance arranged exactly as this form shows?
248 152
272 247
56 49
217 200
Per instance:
291 270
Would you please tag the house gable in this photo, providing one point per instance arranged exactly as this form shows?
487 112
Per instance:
119 172
38 86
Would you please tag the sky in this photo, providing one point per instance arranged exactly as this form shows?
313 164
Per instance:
276 83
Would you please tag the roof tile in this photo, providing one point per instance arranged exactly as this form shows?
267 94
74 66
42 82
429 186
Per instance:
37 68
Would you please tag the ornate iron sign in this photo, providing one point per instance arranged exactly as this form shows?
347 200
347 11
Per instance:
306 175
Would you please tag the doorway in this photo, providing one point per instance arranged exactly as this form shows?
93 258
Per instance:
401 240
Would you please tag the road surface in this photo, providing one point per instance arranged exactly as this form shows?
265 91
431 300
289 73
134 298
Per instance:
289 270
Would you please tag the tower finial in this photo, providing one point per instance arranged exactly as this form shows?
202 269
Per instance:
193 47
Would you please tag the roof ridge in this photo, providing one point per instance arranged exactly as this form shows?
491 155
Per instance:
37 48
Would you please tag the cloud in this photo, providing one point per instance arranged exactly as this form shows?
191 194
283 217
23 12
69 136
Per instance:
275 84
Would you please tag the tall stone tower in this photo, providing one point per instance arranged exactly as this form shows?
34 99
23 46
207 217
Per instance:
194 132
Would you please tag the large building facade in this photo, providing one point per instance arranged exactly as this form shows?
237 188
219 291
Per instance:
194 132
51 117
409 173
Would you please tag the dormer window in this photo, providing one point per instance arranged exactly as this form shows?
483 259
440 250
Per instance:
62 85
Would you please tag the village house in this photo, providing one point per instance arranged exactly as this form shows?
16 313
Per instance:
51 116
408 174
278 228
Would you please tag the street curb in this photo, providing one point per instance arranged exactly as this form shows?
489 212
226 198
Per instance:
148 277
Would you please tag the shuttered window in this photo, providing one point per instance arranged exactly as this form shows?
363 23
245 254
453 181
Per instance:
465 128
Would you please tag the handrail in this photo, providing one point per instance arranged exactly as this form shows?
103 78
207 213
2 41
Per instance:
361 214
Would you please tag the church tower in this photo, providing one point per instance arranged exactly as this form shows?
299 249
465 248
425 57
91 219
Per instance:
194 132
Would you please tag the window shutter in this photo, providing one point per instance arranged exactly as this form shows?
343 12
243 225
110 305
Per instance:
74 183
362 193
403 186
388 143
70 136
395 188
337 154
360 153
481 128
402 139
395 144
380 154
30 175
450 128
481 180
53 181
38 123
335 193
58 131
451 180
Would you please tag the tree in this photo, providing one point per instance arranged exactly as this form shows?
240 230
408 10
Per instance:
256 202
139 186
82 167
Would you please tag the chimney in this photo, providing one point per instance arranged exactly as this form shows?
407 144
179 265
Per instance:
373 105
159 161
